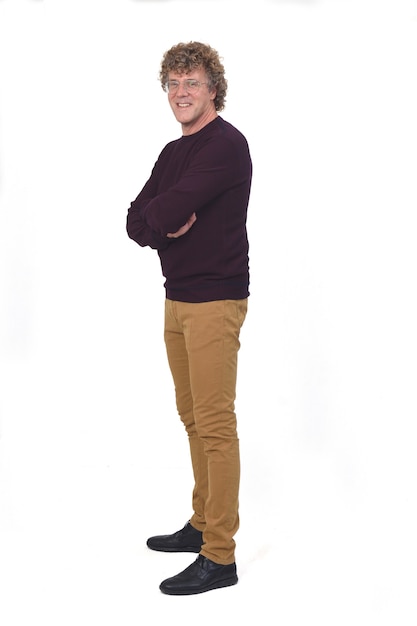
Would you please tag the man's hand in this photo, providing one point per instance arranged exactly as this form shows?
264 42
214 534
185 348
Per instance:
184 229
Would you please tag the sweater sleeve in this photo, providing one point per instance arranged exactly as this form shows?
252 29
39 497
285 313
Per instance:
213 169
136 227
140 232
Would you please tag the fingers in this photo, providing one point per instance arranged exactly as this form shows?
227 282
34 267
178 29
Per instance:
184 229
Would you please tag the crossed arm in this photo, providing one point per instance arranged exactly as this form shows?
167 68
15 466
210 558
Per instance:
152 220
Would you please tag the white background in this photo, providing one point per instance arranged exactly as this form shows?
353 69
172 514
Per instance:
93 458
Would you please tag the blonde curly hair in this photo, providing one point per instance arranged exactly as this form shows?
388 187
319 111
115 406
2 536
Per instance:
185 57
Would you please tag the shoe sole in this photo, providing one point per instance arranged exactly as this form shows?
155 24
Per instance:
228 582
196 550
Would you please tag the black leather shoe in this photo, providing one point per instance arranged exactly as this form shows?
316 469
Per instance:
188 539
202 575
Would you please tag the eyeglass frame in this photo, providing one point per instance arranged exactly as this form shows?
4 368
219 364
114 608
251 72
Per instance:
174 88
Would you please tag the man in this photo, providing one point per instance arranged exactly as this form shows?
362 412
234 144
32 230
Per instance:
193 210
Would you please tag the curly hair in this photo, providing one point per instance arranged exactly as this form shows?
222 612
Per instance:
185 57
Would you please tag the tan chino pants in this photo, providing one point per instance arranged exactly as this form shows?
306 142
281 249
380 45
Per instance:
202 342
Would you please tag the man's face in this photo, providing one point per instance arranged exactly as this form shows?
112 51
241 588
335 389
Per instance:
193 106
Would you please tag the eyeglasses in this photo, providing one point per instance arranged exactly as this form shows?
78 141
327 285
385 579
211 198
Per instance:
190 85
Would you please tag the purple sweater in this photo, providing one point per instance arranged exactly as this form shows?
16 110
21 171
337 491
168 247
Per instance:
208 173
